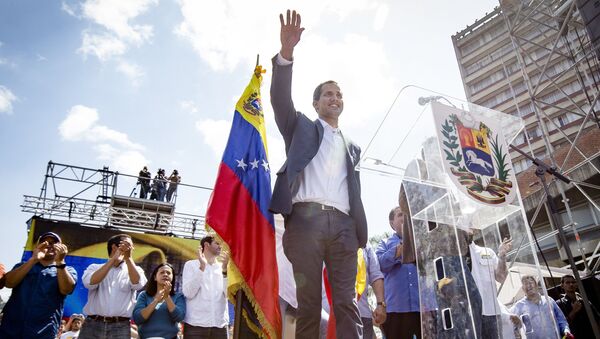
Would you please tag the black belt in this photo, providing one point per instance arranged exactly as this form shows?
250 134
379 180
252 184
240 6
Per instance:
316 205
108 319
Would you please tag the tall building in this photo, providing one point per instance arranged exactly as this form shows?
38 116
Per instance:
492 75
534 60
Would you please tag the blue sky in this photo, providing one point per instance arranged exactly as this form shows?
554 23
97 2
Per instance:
129 83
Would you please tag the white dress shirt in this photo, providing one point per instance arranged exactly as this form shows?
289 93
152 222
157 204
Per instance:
204 291
115 295
324 179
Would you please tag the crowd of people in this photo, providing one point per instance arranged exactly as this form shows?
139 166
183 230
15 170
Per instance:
122 302
160 188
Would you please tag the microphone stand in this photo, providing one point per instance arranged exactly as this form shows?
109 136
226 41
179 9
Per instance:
541 170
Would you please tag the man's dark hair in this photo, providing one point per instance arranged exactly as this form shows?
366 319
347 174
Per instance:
207 239
115 240
152 285
317 92
393 213
564 277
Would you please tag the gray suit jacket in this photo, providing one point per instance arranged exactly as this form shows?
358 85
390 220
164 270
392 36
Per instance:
302 140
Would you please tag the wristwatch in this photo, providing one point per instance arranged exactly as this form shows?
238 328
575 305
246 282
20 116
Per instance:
381 303
61 266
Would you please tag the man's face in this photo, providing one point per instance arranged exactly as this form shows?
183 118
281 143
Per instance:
214 248
50 241
76 324
398 221
330 104
530 287
569 285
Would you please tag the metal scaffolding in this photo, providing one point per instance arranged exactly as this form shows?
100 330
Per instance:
89 197
544 34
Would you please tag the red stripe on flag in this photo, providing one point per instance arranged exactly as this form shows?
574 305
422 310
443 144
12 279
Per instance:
250 237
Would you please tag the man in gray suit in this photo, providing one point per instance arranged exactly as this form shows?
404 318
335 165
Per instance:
318 193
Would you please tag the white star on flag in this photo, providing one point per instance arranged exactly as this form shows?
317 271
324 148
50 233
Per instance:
254 164
265 164
241 164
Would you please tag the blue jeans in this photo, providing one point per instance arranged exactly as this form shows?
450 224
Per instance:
97 329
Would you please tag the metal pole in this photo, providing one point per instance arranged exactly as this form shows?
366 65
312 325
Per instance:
237 323
540 172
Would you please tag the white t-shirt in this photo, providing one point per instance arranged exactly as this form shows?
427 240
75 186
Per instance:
483 267
70 335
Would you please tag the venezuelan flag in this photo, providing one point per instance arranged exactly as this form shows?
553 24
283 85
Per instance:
238 213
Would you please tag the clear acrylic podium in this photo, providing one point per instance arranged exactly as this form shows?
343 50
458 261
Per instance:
461 295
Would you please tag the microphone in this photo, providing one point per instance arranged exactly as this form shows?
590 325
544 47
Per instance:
425 100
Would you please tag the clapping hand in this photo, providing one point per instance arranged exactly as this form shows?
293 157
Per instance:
505 246
61 252
126 248
224 260
202 259
39 252
160 295
167 289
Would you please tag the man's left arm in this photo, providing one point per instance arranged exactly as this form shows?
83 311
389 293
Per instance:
67 276
501 271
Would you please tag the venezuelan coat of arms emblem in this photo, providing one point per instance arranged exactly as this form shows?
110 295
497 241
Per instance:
475 155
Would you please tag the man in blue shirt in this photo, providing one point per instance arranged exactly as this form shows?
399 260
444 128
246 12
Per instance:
400 283
375 279
40 286
538 313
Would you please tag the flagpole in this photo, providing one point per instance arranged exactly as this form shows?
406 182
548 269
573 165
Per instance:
238 314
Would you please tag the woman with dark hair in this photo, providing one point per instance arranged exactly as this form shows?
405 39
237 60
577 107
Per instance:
159 309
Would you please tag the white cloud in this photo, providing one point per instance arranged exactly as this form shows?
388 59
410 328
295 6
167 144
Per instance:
6 100
233 31
189 106
125 161
103 46
69 9
131 71
81 123
215 133
79 120
115 32
114 16
380 17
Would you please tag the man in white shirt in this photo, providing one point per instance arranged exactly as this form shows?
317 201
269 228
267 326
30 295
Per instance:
73 327
205 288
318 193
112 288
488 268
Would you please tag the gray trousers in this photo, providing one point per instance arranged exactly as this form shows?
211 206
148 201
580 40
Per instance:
97 329
312 237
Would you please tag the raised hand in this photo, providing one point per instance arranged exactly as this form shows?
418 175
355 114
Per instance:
118 256
505 247
202 259
160 295
126 248
39 252
224 260
167 289
290 33
61 252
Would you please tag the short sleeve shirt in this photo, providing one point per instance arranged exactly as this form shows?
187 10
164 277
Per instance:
35 307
